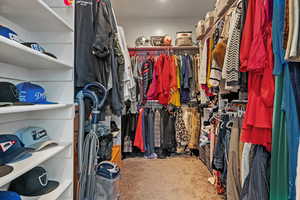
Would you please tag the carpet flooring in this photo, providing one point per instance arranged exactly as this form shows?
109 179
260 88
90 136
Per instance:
178 178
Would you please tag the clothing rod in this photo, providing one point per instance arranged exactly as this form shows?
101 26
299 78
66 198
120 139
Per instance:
163 48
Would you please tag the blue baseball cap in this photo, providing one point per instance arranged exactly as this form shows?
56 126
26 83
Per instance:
8 33
32 93
35 138
7 195
12 149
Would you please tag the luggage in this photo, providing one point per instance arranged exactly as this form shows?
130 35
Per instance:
184 38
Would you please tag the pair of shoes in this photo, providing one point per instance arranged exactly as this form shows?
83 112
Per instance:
151 156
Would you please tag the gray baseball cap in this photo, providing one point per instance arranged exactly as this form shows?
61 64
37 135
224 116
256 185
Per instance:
35 138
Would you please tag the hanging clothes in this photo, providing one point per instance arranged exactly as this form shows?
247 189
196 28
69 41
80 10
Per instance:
231 61
233 185
279 180
174 87
257 186
203 62
157 122
168 133
257 126
139 139
292 127
182 135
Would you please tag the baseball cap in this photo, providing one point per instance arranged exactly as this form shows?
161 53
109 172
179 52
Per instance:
8 195
5 170
35 138
32 93
37 47
33 183
12 149
9 95
8 33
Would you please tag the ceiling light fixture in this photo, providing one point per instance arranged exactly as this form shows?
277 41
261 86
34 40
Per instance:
163 1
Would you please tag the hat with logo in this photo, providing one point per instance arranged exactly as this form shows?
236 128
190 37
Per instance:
7 195
12 149
32 93
8 33
9 95
33 183
37 47
35 138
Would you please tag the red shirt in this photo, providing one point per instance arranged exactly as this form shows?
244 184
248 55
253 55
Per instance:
138 140
256 57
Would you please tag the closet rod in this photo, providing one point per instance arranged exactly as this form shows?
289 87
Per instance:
225 10
163 48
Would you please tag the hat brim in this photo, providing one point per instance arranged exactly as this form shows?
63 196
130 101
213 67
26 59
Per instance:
41 145
5 170
18 155
4 104
50 54
46 103
51 186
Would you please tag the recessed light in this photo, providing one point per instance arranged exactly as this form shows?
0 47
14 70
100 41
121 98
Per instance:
163 1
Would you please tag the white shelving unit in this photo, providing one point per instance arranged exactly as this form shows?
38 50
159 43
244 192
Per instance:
31 108
36 159
54 194
49 23
34 15
27 57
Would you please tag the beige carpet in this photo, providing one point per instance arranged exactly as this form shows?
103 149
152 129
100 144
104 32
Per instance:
180 178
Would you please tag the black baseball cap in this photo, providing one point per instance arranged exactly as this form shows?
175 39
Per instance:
9 95
37 47
33 183
12 149
5 170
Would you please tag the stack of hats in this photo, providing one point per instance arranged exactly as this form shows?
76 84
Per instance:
12 35
23 94
17 147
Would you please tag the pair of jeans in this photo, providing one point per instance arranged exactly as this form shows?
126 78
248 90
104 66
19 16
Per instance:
148 131
222 147
168 133
257 183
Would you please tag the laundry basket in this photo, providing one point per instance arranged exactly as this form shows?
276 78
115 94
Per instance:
107 182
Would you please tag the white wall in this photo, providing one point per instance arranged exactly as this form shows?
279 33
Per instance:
154 26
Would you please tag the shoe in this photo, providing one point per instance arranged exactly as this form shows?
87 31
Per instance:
114 129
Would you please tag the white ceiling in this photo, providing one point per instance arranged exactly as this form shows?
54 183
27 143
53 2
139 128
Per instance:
162 8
